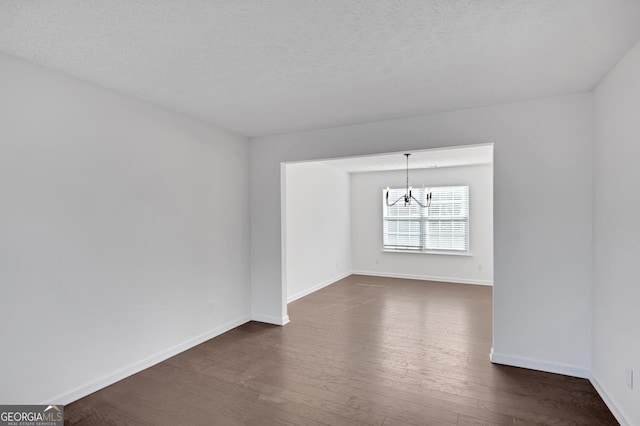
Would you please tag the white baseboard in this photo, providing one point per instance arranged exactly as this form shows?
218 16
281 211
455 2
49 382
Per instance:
613 407
84 390
317 287
270 319
424 277
535 364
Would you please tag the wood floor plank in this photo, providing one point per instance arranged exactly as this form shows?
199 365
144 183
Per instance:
365 350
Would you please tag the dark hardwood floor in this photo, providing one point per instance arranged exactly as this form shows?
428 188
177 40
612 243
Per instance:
365 350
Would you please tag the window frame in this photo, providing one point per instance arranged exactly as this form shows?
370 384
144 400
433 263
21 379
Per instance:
424 220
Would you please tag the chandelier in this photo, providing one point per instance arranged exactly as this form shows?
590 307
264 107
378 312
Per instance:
407 197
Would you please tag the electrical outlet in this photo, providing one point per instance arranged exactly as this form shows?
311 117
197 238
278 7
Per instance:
630 378
377 261
210 305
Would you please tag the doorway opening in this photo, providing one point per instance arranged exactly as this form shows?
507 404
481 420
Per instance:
332 218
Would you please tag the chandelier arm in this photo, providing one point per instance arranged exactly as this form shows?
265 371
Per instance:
395 202
419 203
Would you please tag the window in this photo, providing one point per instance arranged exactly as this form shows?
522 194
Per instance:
444 226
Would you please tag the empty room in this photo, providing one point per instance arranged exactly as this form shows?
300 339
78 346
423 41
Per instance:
319 212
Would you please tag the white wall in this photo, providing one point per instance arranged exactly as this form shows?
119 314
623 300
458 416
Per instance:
616 316
542 262
119 221
317 227
366 210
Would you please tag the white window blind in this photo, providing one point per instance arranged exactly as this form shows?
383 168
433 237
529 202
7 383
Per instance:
442 226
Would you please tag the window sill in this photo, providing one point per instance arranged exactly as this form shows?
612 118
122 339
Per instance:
438 252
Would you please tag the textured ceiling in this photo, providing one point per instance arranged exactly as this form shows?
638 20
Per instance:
261 67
